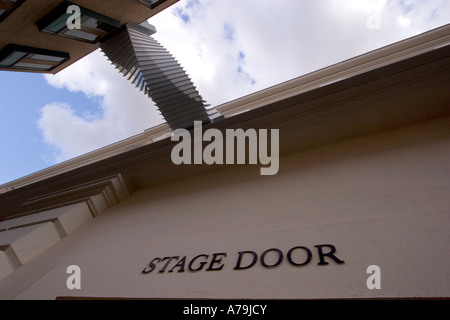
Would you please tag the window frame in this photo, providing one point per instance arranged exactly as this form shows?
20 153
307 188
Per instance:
8 11
32 56
152 3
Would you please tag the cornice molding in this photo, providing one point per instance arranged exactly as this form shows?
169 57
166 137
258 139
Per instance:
99 195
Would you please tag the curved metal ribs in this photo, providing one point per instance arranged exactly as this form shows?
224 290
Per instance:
153 70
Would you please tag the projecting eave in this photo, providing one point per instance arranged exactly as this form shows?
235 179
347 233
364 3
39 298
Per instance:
399 85
20 27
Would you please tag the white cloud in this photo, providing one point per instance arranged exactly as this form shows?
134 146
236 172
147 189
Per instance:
125 111
230 50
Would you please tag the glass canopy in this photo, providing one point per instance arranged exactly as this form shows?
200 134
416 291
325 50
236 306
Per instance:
93 26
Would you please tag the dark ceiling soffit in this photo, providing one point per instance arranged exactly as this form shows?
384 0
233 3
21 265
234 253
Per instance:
9 12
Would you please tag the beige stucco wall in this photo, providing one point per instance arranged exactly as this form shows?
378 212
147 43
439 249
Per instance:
381 200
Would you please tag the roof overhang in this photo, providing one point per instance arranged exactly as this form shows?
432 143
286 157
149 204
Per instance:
399 85
20 27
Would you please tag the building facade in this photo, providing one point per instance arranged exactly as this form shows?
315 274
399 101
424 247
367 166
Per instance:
358 207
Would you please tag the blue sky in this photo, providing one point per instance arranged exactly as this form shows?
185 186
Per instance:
229 49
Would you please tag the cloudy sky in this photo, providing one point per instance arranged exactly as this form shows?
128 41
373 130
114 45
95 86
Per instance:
230 48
